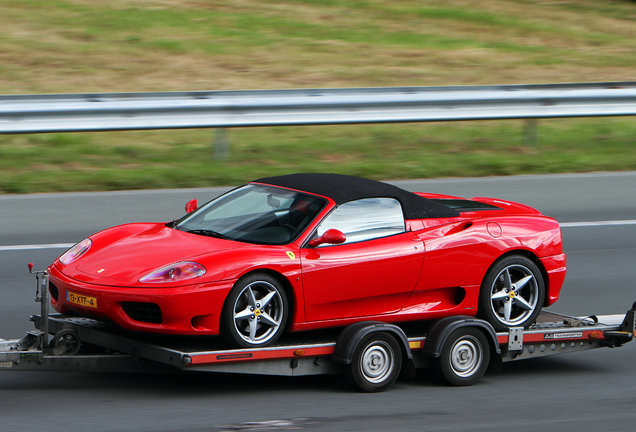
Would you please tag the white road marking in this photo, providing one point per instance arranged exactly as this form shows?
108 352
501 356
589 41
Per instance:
598 223
40 246
563 225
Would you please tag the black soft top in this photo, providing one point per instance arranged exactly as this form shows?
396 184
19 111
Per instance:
343 188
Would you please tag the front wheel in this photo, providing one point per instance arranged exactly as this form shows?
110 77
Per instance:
376 363
512 293
255 312
465 357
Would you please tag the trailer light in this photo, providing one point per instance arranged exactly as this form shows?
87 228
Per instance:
299 352
594 335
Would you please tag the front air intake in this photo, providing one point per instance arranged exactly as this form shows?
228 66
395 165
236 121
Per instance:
55 293
144 312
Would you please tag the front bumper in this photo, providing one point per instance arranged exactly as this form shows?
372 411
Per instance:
185 310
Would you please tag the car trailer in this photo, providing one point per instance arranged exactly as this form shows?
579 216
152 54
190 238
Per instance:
372 354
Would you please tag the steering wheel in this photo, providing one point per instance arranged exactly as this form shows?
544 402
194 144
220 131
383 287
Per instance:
291 229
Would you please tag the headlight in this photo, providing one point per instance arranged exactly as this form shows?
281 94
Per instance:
74 253
175 273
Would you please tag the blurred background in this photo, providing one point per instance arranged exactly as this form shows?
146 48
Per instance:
88 46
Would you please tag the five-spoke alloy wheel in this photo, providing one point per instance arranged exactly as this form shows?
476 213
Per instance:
255 311
512 293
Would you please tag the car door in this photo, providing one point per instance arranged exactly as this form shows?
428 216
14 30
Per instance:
372 273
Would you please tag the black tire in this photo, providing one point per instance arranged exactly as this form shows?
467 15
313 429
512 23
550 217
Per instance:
376 363
464 358
502 302
245 322
66 343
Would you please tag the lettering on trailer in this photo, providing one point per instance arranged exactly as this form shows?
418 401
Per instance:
563 335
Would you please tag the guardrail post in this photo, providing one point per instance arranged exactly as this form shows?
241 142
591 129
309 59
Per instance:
530 132
221 143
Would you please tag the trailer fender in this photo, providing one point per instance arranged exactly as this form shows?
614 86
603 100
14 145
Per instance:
351 336
444 327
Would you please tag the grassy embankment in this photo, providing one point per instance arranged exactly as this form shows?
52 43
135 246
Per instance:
78 46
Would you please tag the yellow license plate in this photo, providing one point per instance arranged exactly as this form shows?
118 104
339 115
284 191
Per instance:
81 300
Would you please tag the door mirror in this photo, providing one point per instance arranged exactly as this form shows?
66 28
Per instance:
331 236
191 206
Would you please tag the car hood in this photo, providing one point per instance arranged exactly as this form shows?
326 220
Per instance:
122 255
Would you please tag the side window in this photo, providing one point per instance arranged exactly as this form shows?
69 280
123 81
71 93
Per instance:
366 219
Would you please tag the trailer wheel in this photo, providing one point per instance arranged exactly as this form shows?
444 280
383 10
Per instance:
255 312
376 363
66 343
465 357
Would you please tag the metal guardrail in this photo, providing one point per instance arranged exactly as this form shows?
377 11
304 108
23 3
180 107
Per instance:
225 109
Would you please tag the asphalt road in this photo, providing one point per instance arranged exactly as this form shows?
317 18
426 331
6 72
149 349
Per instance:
583 391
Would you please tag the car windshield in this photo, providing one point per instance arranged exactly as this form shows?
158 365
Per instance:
255 213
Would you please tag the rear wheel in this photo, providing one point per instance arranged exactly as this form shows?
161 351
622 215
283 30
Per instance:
255 312
512 293
376 363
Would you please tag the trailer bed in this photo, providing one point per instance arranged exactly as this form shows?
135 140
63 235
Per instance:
108 348
372 354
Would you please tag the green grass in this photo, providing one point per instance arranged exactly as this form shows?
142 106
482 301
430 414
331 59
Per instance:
172 159
87 46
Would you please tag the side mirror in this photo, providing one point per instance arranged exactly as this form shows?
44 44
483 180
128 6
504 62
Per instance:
331 236
191 206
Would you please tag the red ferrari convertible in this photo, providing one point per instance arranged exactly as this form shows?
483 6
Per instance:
310 251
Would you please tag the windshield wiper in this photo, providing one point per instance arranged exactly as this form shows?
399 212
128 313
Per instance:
209 233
